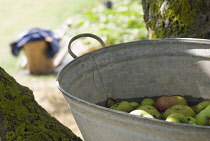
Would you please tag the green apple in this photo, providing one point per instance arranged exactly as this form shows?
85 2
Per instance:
123 106
134 104
203 117
177 117
115 106
182 109
110 102
151 110
148 101
165 102
141 113
207 107
201 106
191 120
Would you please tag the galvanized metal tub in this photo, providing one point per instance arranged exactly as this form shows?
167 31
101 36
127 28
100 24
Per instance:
136 69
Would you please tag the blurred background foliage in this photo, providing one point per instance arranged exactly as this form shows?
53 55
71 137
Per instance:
123 23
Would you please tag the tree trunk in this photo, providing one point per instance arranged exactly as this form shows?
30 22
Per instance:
21 118
177 18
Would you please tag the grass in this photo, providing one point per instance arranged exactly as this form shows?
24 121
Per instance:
19 15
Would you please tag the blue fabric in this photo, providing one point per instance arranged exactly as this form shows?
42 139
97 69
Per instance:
36 34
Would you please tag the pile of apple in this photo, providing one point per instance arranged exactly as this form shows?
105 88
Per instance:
168 108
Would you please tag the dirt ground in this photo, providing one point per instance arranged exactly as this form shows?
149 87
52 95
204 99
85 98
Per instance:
49 97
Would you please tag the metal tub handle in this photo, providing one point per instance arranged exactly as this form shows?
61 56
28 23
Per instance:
83 35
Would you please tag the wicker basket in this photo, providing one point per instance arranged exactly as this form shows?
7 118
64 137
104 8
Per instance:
38 63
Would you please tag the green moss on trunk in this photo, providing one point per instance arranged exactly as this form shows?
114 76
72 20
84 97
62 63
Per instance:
171 18
21 118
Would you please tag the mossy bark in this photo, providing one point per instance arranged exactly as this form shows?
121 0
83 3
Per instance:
22 118
177 18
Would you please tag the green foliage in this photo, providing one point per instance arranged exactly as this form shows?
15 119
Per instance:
123 23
